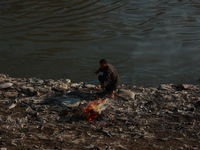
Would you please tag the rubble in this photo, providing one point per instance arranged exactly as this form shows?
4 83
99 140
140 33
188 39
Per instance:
6 85
127 94
48 114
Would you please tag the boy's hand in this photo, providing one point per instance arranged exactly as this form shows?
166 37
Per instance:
97 72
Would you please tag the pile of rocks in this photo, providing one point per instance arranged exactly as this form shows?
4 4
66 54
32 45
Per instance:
48 114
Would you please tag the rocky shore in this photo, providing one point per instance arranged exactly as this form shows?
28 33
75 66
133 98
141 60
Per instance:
48 114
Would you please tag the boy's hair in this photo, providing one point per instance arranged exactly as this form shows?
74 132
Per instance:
103 61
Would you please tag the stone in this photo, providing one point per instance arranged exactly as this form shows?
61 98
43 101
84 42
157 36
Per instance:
126 94
35 80
30 91
75 85
72 105
40 81
68 81
38 101
11 94
50 82
3 76
29 110
6 85
63 87
44 90
70 100
12 106
164 87
110 148
28 88
155 119
31 80
91 86
186 86
197 104
178 87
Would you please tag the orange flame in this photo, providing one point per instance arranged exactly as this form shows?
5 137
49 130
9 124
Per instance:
93 109
96 107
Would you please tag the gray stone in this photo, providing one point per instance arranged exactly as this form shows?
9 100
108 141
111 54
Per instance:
75 85
164 87
40 81
178 87
6 85
68 81
38 101
126 94
50 82
63 87
31 80
11 94
186 86
35 80
29 110
67 92
70 100
26 88
29 91
110 148
3 76
72 105
44 90
12 106
91 86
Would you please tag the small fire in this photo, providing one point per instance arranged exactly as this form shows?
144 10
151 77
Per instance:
95 108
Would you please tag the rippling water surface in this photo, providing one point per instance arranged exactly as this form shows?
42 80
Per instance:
149 42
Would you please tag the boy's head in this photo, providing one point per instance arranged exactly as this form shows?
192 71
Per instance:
103 63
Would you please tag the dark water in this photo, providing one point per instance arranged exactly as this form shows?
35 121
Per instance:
149 42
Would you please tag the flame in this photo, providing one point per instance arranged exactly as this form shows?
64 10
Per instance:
95 108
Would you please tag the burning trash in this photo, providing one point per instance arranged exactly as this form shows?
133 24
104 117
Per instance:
95 108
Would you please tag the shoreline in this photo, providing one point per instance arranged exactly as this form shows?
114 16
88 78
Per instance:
49 114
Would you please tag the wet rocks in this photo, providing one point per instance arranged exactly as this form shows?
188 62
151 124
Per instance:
68 81
11 94
76 104
35 81
126 94
75 85
44 90
50 114
30 91
60 85
69 100
3 76
197 104
12 106
91 86
6 85
178 87
165 87
186 86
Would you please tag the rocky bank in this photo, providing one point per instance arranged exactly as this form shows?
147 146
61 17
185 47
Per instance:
48 114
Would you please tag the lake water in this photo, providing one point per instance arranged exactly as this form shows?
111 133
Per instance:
148 41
